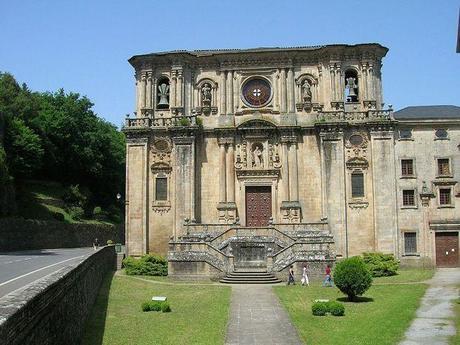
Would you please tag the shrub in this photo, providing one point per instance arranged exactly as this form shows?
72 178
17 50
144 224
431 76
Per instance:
336 308
199 122
76 212
109 242
184 122
319 308
352 277
148 265
156 306
381 265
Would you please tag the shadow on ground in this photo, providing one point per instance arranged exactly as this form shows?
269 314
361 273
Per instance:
93 333
356 300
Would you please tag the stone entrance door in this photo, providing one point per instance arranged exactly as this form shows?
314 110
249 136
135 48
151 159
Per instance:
447 249
258 205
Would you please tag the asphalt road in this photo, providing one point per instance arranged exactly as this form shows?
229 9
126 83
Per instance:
18 269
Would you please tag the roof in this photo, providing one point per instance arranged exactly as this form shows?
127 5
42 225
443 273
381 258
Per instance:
428 112
216 52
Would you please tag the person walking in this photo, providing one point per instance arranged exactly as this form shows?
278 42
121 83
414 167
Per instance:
328 279
291 276
96 244
304 279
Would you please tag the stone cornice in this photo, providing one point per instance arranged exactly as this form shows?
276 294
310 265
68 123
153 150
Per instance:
275 57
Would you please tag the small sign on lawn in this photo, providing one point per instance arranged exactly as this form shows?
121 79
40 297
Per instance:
159 298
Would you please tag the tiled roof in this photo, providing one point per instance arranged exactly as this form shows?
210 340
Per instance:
428 112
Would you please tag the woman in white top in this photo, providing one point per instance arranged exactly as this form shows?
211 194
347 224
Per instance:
305 276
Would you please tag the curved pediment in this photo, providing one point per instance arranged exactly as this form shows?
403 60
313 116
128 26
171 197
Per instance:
257 124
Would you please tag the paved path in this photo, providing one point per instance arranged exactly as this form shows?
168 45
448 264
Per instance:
257 317
434 322
18 269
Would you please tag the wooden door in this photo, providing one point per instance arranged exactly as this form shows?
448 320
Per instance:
447 249
258 205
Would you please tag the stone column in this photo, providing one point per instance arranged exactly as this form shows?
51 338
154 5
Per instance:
285 171
154 93
222 173
230 93
179 91
290 90
148 102
142 90
283 91
138 94
230 173
223 99
293 182
173 90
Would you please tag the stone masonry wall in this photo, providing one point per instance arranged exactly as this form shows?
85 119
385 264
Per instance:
22 234
53 310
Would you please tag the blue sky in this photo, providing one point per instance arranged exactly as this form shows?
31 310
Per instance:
83 46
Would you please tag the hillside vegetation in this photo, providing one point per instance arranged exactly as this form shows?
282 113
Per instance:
55 136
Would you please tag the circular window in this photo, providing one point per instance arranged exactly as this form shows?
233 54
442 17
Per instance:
256 92
441 133
356 140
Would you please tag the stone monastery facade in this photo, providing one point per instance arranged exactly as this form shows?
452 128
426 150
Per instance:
263 158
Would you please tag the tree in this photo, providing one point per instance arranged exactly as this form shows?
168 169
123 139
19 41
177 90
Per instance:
352 277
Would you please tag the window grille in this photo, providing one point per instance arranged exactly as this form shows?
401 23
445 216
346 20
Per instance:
444 196
408 198
410 242
357 185
161 189
407 167
443 167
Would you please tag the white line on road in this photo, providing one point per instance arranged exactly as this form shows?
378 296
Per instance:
40 269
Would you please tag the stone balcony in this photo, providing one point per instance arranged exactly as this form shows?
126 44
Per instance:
160 122
354 116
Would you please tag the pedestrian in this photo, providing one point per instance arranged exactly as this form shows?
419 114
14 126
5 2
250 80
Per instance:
305 280
96 244
328 279
291 276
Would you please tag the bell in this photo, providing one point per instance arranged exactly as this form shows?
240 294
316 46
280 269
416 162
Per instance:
163 92
351 92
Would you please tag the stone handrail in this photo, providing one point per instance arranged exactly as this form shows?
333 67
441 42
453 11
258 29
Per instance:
301 251
160 122
198 251
354 116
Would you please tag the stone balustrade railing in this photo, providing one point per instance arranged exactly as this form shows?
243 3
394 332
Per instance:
198 251
160 122
301 252
355 116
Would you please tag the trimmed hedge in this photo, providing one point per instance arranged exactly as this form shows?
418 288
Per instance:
352 277
332 307
156 306
147 265
381 265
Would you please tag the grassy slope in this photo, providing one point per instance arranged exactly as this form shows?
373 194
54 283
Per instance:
381 320
40 199
199 314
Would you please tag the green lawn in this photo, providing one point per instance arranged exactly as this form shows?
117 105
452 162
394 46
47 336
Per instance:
455 340
199 314
406 276
381 318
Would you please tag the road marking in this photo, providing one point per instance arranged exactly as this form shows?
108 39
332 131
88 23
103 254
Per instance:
40 269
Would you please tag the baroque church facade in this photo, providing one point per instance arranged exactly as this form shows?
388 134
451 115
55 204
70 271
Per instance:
270 157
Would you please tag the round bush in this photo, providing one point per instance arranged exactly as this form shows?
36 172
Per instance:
336 308
319 309
352 277
165 308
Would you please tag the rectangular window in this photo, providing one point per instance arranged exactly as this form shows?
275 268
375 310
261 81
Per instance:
407 167
443 167
444 196
161 188
408 197
410 242
357 185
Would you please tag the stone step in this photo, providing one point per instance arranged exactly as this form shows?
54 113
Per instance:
250 278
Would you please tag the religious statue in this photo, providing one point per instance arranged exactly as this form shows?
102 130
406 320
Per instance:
206 94
306 92
163 93
257 157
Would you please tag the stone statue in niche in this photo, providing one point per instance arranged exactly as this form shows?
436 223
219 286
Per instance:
163 93
306 92
257 160
206 96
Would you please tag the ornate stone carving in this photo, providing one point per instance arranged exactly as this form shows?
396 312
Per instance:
257 157
161 150
356 143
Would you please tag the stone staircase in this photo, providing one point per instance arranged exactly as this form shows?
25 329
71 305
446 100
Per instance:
248 277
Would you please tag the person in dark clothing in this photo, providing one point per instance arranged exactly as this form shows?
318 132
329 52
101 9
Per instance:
291 276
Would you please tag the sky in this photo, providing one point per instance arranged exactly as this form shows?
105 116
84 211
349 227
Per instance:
83 46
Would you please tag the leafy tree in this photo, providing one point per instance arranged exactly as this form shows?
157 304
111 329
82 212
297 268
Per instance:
352 277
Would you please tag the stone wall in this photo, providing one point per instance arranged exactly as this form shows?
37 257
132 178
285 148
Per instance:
53 310
22 234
